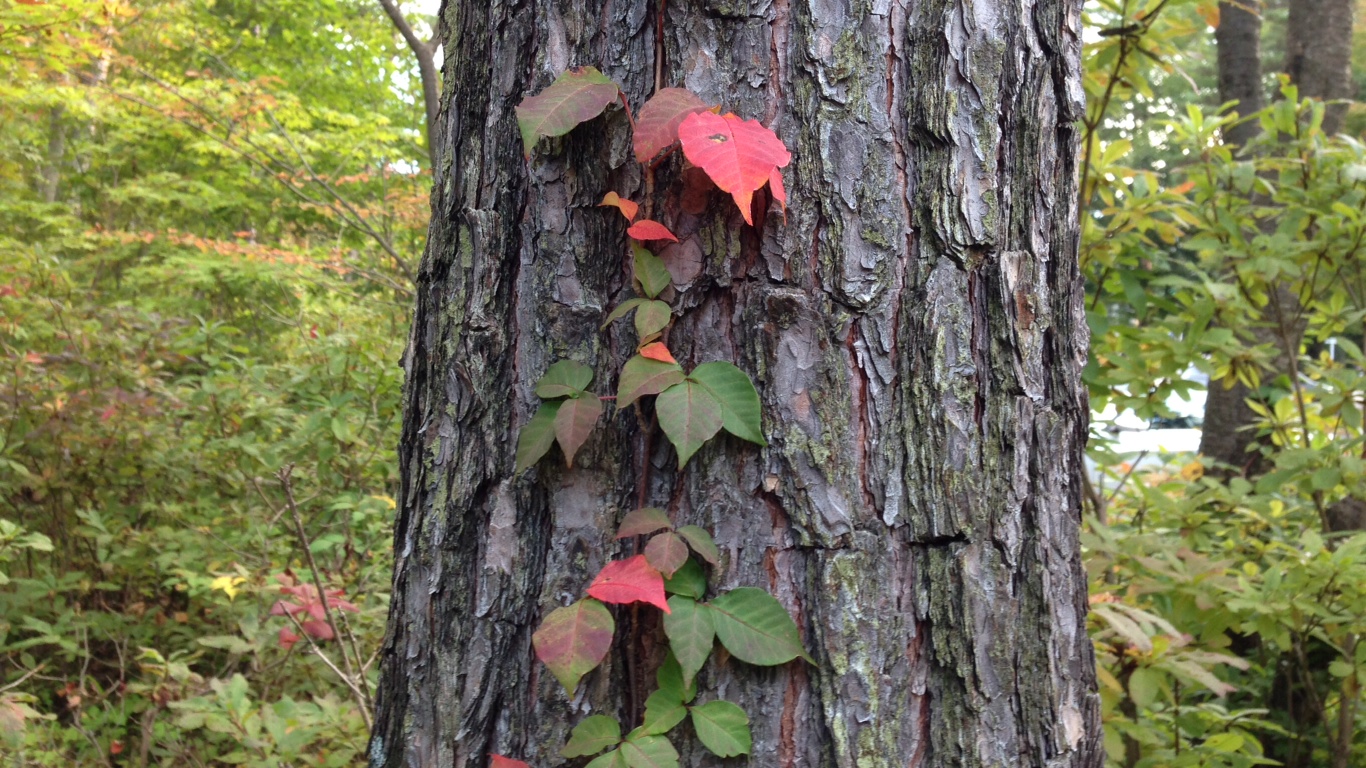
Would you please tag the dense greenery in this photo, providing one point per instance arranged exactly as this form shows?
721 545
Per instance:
209 217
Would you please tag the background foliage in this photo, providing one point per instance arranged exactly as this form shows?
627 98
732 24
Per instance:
209 216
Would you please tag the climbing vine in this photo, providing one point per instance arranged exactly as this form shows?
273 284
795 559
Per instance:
743 159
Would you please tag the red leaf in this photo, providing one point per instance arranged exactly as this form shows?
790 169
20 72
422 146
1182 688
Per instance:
632 580
288 638
775 185
656 350
318 630
574 639
627 208
739 155
646 229
657 123
576 96
498 761
642 521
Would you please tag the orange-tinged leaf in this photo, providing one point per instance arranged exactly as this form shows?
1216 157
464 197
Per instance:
627 208
574 423
576 96
656 350
574 639
498 761
775 185
666 553
632 580
642 521
648 229
657 124
739 155
642 376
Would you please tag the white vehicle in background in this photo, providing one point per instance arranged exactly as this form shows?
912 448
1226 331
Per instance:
1141 443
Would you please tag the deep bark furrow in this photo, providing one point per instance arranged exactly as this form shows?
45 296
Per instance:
914 328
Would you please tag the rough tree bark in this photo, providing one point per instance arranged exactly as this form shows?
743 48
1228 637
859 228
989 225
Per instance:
915 328
1318 53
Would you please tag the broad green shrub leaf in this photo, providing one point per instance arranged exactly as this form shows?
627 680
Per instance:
701 542
669 678
723 728
666 552
663 710
650 272
651 318
642 376
739 155
565 378
574 423
642 521
574 639
577 96
622 310
632 580
755 627
658 121
1145 686
591 736
535 439
691 634
689 415
643 751
689 581
735 392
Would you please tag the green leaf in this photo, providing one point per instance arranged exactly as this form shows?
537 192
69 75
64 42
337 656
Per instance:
689 416
566 378
642 521
688 581
739 401
622 310
650 272
642 376
576 96
613 759
691 634
1325 478
723 728
1224 742
574 639
663 710
574 423
701 542
642 751
755 627
1145 685
592 736
651 318
666 552
537 436
669 678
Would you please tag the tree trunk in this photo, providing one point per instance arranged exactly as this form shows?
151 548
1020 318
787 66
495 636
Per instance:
1318 53
915 329
1239 42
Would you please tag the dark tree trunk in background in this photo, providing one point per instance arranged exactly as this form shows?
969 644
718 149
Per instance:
1318 53
916 333
1239 42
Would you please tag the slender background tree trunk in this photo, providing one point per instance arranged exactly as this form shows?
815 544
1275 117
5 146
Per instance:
916 333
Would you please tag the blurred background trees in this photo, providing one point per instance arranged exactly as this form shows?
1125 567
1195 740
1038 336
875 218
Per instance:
209 215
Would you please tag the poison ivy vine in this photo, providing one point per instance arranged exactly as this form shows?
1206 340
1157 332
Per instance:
741 158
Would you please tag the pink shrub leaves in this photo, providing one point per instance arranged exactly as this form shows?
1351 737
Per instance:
740 156
308 610
632 580
576 96
658 121
573 640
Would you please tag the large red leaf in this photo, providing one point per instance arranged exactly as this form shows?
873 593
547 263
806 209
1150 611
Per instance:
574 639
632 580
739 155
576 96
498 761
647 229
657 123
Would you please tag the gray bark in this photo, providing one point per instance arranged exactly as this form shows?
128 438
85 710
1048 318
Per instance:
915 329
1239 42
1318 53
